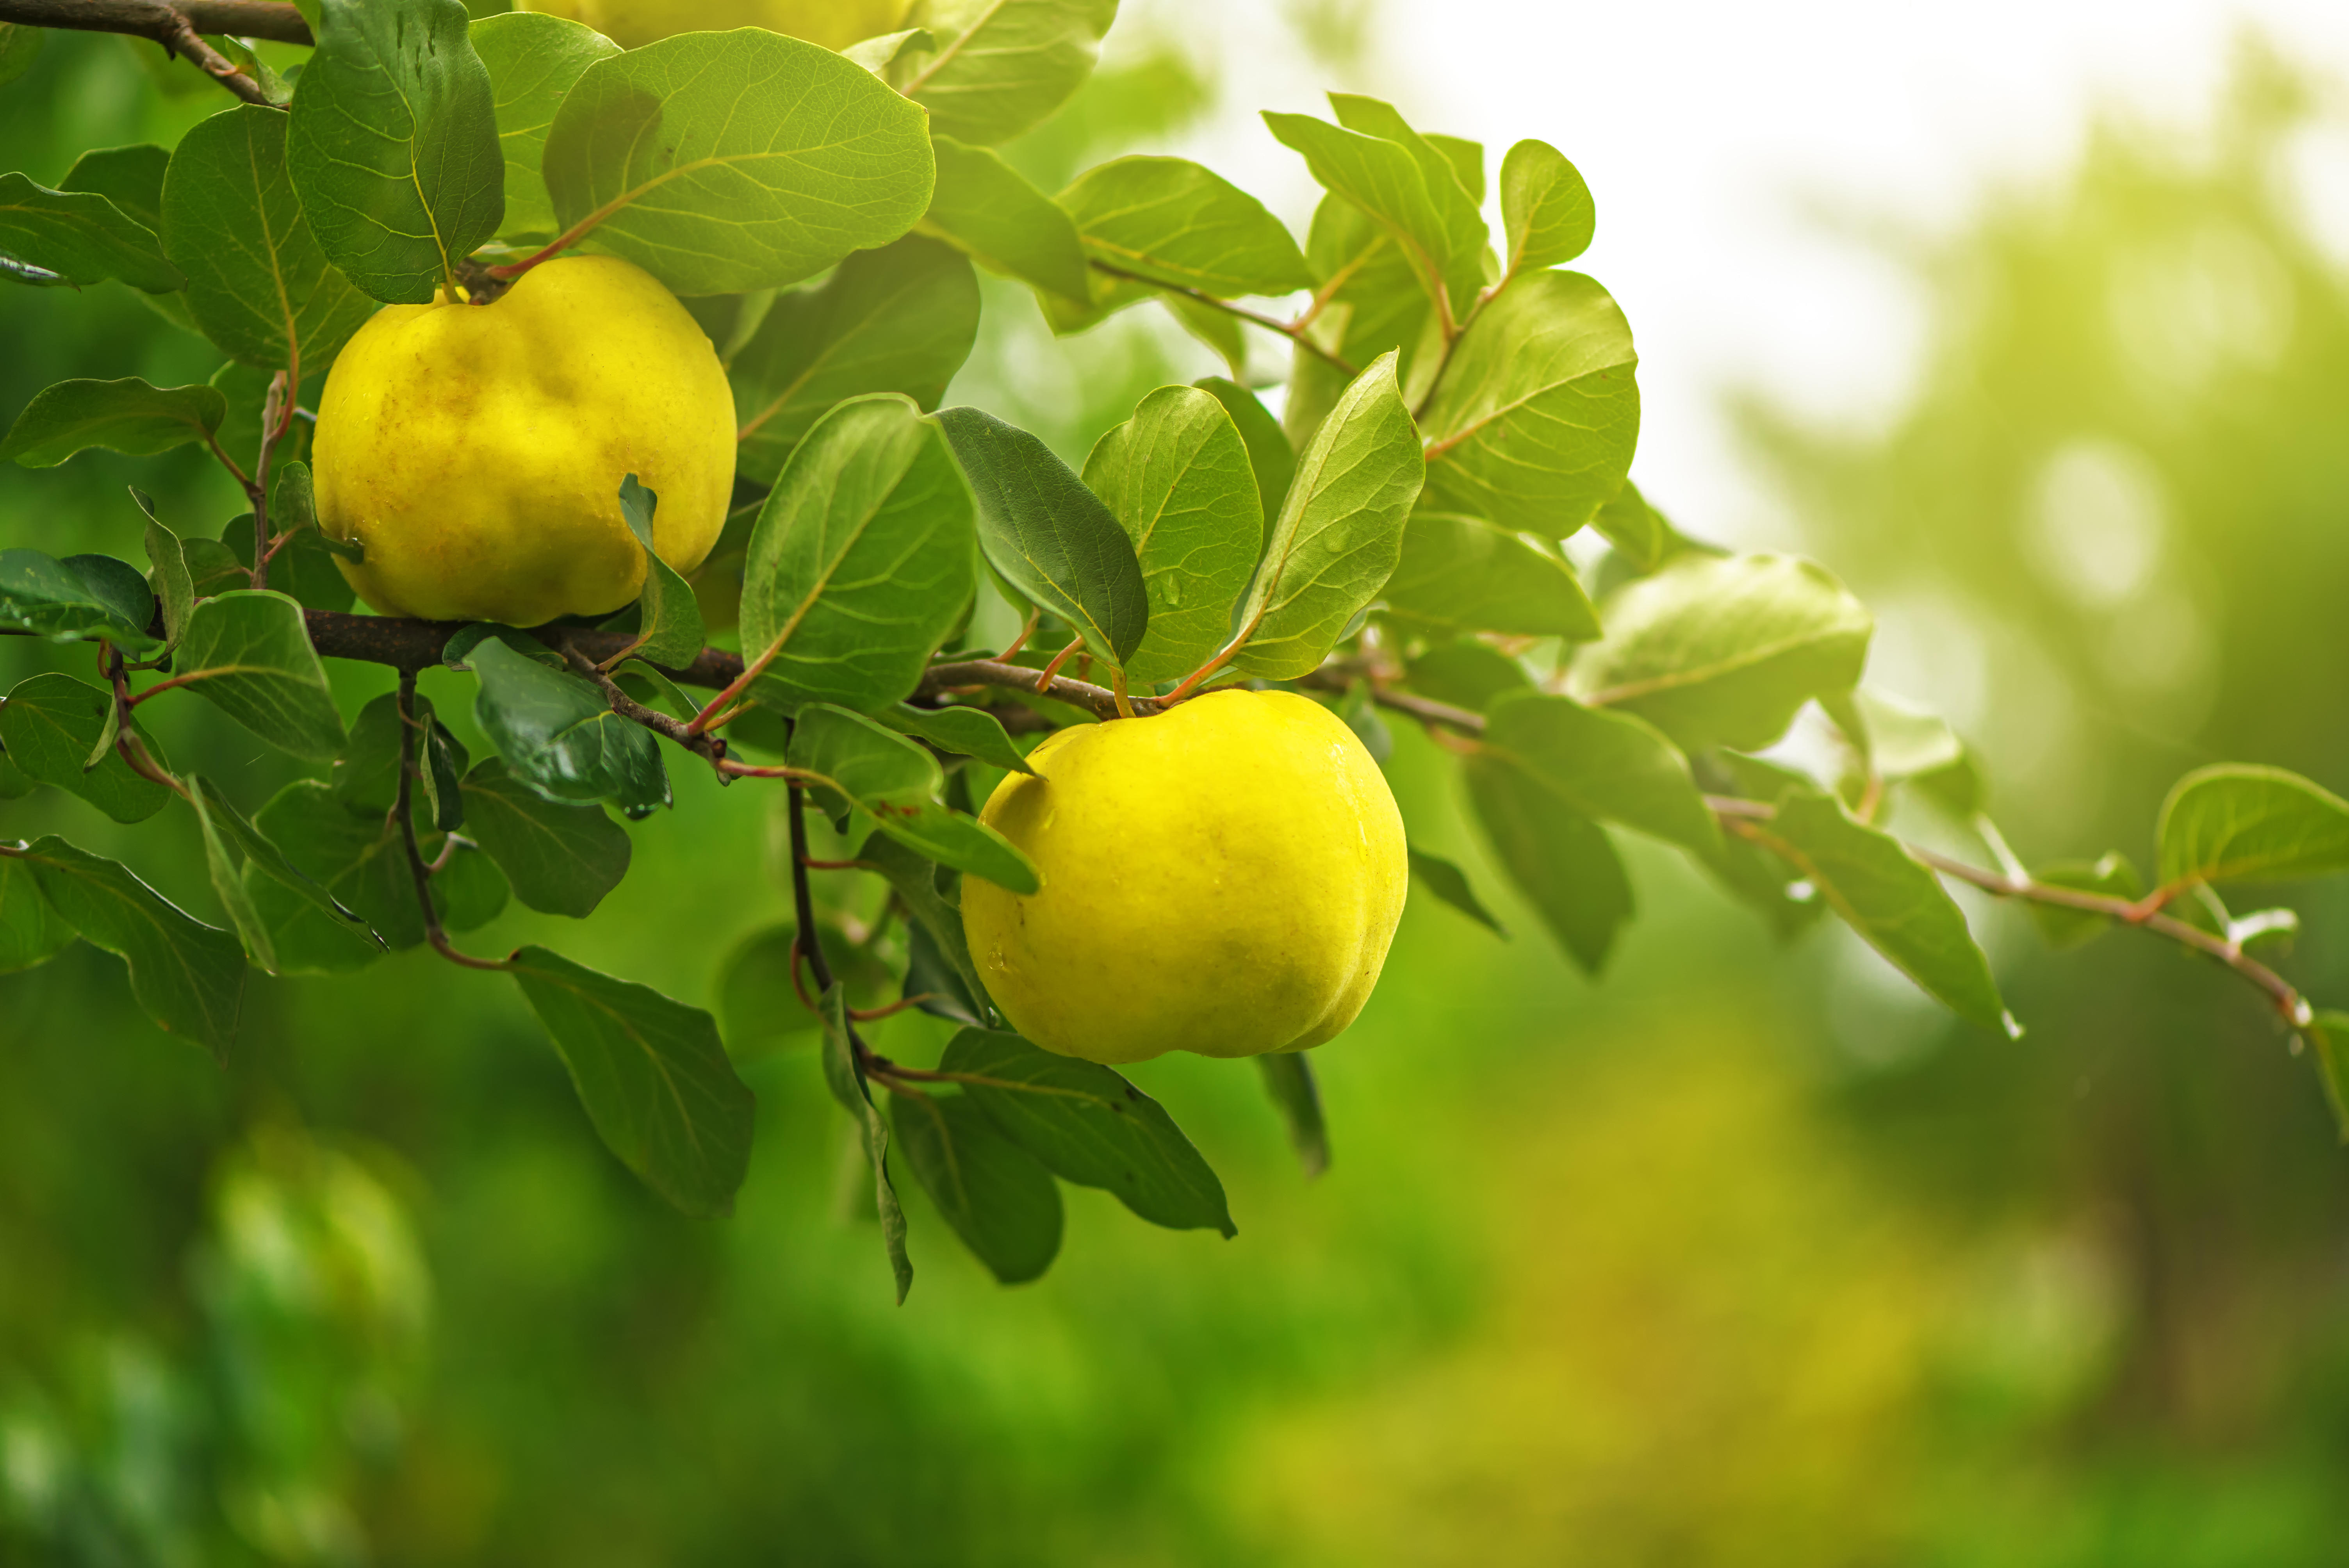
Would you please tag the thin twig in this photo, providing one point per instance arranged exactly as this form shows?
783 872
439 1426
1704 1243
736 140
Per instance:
177 27
403 806
1294 331
711 749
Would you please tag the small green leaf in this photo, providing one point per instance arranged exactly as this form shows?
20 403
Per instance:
653 1075
1897 739
174 585
865 765
965 732
51 724
1724 650
20 46
846 1081
56 600
2111 877
1270 456
1466 674
127 415
1448 883
222 820
561 737
898 319
31 933
188 976
914 880
1050 537
668 618
2239 822
1177 478
533 60
1289 1079
1610 765
999 65
1546 208
1534 422
129 177
861 562
1090 1125
1636 530
878 53
988 209
249 655
77 237
1171 221
227 883
1406 186
1463 573
366 777
116 585
561 860
760 1010
721 163
1563 864
1340 534
361 862
2330 1034
1003 1204
1374 304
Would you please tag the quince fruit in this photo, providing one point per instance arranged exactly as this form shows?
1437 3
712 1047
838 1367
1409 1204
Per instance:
475 451
834 24
1222 878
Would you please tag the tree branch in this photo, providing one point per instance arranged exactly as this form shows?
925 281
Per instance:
1099 701
177 26
1296 332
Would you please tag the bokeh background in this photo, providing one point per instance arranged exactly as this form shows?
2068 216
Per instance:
2032 321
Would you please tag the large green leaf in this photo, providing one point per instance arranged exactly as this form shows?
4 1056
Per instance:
559 734
1340 534
259 285
1000 65
51 724
1372 304
726 161
131 177
898 319
864 765
1610 765
861 562
2240 822
1177 478
1090 1125
561 860
77 237
1722 650
127 415
1049 536
1453 171
61 601
997 1198
1891 899
1172 221
249 655
361 860
1464 574
1270 456
31 933
988 208
235 849
965 732
1546 208
188 976
1563 864
1533 423
533 60
653 1075
393 145
846 1081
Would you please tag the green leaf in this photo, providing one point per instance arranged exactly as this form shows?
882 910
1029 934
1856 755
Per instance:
1611 766
914 879
249 655
360 860
1463 573
77 237
1374 303
31 933
56 600
366 777
1535 418
1171 221
1000 65
116 585
2329 1032
561 860
865 765
1882 892
174 584
1090 1125
1050 537
1636 530
878 53
127 415
1467 675
721 163
899 319
1564 865
1448 883
653 1075
227 883
1270 456
965 732
188 976
393 145
51 724
1897 739
259 285
758 1008
2111 877
303 568
846 1081
1004 1205
20 46
1340 534
561 737
668 617
2239 822
1290 1081
129 177
1722 650
533 60
860 564
987 209
1546 208
1408 187
1177 478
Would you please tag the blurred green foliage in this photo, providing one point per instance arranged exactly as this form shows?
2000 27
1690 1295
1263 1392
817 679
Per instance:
1741 1259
